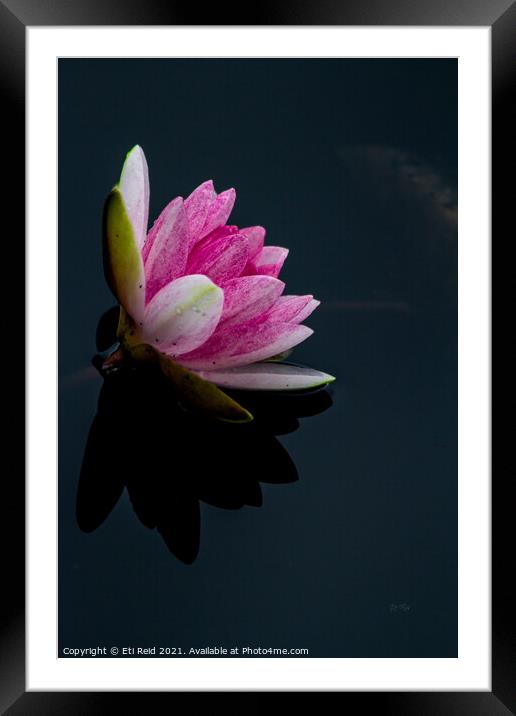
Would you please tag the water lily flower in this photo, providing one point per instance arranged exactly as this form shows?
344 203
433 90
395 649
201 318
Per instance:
199 296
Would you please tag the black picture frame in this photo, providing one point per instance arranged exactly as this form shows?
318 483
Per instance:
15 16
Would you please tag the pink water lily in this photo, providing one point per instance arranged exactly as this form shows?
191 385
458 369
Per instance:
200 291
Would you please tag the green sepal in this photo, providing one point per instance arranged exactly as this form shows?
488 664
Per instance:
123 267
195 393
125 325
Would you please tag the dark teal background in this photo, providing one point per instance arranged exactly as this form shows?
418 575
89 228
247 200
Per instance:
352 165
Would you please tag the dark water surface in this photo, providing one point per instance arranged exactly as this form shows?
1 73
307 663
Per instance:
352 165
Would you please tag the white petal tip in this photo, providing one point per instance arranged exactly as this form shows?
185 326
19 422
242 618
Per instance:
269 377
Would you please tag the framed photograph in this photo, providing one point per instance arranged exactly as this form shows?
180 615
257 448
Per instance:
258 452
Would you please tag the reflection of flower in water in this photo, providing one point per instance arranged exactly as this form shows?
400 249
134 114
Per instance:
170 459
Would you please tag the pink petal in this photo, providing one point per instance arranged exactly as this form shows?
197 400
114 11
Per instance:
183 315
244 344
267 376
249 296
168 240
306 311
291 309
218 211
268 262
134 187
197 205
220 259
219 233
255 236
